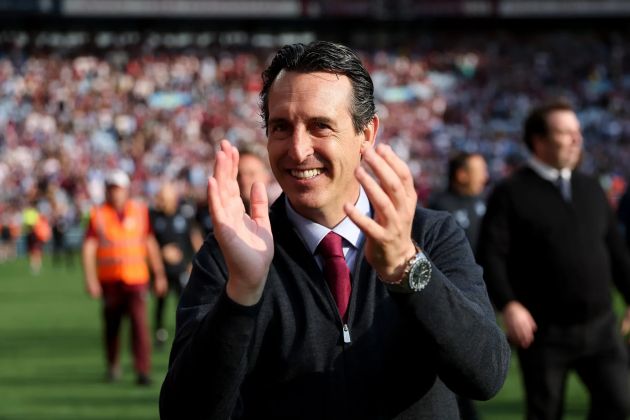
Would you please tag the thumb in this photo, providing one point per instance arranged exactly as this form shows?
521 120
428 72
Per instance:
259 204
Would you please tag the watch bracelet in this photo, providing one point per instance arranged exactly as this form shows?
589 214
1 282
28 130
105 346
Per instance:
410 262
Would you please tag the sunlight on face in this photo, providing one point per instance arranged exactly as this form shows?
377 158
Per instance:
313 147
563 144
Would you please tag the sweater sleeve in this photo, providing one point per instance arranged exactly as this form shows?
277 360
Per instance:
209 358
494 247
472 352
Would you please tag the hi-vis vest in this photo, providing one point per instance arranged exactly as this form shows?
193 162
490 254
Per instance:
121 254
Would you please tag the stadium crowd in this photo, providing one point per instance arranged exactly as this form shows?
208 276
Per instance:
69 113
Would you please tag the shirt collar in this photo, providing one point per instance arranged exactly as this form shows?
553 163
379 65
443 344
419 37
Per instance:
312 233
547 172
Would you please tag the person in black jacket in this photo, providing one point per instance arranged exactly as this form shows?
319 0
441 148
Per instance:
550 249
178 239
467 179
344 300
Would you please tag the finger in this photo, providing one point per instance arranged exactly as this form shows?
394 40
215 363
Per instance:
368 226
524 338
232 158
214 201
235 158
260 205
221 168
235 189
382 203
226 180
390 182
221 176
398 166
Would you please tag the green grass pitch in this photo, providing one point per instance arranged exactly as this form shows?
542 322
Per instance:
52 363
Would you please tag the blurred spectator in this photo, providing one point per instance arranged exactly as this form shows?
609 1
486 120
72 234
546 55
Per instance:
118 242
468 176
9 233
37 232
551 250
63 217
251 168
178 239
69 113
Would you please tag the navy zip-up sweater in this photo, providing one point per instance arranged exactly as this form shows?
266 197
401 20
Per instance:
285 357
559 259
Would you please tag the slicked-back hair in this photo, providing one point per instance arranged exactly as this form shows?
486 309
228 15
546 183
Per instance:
323 56
536 122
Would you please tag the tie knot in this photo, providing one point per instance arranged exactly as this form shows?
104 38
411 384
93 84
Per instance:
330 246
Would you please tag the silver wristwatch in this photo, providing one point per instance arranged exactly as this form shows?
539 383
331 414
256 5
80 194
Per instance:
416 276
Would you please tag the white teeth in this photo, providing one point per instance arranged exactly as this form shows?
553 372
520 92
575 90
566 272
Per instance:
309 173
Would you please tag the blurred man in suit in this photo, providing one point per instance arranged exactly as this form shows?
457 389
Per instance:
550 248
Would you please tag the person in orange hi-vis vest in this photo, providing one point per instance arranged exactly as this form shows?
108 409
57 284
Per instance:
118 243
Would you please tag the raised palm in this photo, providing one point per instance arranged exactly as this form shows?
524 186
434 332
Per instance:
246 240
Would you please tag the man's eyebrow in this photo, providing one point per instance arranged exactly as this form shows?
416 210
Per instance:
324 120
277 120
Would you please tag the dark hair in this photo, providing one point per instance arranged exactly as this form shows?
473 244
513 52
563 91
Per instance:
325 57
457 162
536 122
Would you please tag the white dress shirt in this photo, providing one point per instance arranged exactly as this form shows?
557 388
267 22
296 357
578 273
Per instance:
312 233
547 172
560 178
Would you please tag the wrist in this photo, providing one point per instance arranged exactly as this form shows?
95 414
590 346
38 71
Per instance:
416 274
397 276
242 294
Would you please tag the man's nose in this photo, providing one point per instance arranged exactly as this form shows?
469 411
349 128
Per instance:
301 145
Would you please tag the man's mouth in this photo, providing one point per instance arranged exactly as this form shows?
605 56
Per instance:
306 173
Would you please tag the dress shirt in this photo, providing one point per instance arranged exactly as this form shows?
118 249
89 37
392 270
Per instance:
312 233
547 172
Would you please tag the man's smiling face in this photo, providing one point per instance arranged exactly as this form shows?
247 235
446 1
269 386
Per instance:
313 146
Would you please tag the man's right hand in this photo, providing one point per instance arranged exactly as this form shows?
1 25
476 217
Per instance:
94 289
519 323
245 240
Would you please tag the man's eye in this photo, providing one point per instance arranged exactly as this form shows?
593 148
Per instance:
321 126
275 128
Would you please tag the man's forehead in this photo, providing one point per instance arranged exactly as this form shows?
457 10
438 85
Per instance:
562 116
320 89
287 81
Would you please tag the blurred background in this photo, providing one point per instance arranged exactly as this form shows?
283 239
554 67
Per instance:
152 86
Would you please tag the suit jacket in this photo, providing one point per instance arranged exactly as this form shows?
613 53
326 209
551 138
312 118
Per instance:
558 258
285 357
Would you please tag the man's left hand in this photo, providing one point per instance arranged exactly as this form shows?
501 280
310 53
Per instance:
388 235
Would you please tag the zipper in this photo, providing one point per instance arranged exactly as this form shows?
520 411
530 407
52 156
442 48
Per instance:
346 334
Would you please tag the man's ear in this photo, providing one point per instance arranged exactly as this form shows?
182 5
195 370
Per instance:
369 134
538 142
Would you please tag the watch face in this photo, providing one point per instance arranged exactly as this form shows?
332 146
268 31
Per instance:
420 274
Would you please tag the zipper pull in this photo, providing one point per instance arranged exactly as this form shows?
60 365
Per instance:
346 334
